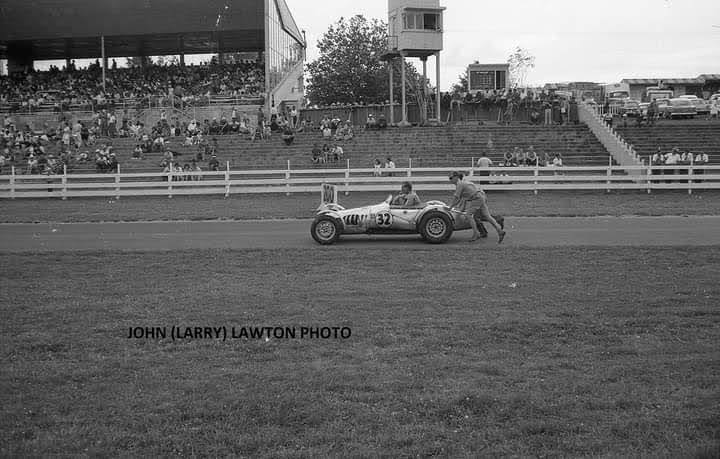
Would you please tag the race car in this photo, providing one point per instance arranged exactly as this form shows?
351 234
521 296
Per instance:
434 221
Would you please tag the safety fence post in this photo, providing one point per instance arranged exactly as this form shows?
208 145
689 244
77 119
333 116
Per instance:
347 176
12 182
117 182
64 182
170 178
287 179
227 179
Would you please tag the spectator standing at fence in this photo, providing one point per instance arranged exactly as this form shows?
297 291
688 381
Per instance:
671 159
573 112
260 119
657 159
547 109
701 160
484 164
390 165
377 168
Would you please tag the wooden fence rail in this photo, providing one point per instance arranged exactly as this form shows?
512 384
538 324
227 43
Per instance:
230 182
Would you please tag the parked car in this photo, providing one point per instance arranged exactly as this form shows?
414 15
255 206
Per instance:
680 108
662 105
702 107
630 108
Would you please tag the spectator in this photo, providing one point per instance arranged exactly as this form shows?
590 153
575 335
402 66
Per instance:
377 168
390 165
137 152
317 156
557 160
196 170
701 160
327 132
382 122
573 114
484 164
213 163
337 152
288 135
370 123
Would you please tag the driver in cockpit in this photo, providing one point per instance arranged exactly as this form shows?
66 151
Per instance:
407 197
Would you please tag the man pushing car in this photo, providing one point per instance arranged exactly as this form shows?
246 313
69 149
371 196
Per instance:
471 199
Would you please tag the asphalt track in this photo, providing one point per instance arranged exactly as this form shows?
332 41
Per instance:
271 234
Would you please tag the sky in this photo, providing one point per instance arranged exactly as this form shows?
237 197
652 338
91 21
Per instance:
572 40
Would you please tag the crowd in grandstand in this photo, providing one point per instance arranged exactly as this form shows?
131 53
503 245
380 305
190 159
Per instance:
676 157
151 85
537 107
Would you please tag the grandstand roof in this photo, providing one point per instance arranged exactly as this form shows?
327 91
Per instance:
55 29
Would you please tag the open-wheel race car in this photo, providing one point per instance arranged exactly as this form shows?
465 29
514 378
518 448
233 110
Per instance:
434 221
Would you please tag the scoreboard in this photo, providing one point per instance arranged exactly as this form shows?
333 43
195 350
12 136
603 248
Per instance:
487 77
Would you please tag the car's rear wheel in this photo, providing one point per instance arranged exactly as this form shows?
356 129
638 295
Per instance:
436 228
325 230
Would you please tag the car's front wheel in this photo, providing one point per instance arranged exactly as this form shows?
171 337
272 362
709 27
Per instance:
436 228
325 230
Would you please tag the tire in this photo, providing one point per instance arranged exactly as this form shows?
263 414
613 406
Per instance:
436 228
325 230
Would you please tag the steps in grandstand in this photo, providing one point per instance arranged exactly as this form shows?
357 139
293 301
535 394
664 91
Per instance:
692 135
448 146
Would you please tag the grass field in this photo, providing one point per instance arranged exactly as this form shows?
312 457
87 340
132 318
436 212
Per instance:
556 203
546 352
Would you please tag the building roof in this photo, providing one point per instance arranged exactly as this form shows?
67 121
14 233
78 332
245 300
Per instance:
710 76
654 81
54 29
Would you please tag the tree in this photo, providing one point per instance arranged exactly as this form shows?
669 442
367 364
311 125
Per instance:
461 86
349 69
520 61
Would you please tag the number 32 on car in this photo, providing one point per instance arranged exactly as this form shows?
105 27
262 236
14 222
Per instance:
384 219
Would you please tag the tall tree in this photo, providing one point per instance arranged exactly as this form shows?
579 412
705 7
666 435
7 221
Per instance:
520 61
349 69
462 84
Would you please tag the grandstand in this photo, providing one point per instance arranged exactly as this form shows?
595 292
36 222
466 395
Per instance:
449 146
83 29
691 135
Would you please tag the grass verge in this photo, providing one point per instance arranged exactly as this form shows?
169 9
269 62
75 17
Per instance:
566 204
563 352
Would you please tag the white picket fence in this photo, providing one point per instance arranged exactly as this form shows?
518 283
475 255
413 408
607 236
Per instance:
230 182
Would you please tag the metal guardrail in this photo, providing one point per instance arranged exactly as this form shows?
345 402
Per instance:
228 182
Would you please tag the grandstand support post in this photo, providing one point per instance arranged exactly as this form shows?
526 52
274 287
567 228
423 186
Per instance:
609 173
403 92
64 183
690 175
536 173
392 96
170 179
12 182
287 179
347 177
409 171
649 175
437 85
227 179
117 183
104 59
